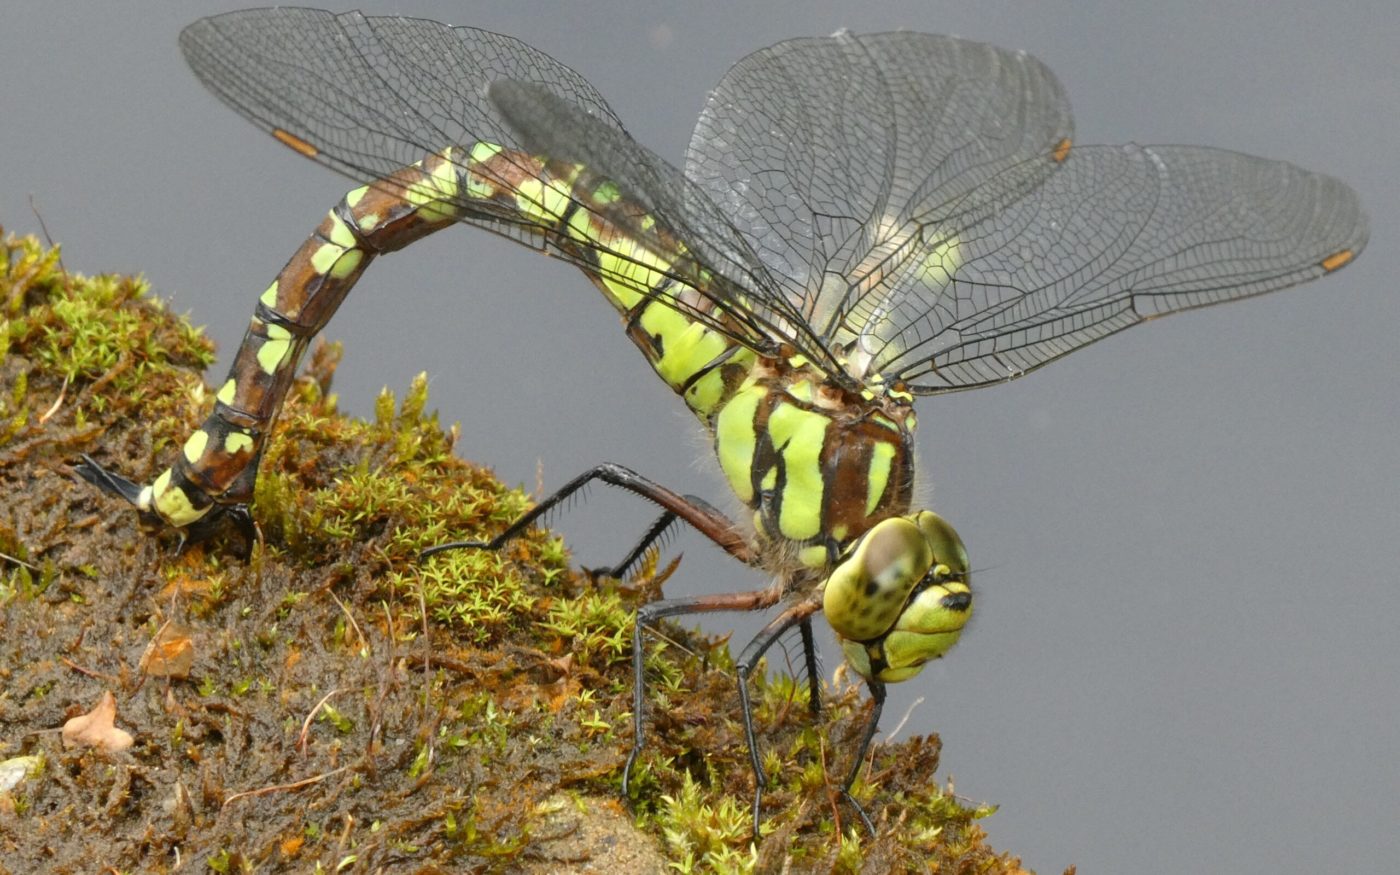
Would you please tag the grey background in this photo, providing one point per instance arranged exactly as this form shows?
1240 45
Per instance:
1184 657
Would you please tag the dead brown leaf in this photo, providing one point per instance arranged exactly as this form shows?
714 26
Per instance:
98 727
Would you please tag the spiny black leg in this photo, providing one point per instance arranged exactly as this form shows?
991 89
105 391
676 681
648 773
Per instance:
648 615
877 696
524 521
693 511
798 615
809 654
653 534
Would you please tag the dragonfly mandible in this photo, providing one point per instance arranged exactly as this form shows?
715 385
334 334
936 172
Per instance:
859 220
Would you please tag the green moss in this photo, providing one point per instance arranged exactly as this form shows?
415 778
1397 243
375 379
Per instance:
595 626
703 834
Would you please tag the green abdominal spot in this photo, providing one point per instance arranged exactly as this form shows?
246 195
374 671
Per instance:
686 346
172 503
274 352
195 444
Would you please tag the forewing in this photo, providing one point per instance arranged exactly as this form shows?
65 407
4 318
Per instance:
1117 235
828 153
370 94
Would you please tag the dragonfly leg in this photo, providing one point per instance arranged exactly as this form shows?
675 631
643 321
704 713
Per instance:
877 697
799 615
650 614
689 509
809 655
654 533
695 512
237 514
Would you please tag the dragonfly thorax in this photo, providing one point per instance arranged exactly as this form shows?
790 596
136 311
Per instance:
817 465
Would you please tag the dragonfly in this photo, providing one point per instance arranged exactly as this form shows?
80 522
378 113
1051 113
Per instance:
859 220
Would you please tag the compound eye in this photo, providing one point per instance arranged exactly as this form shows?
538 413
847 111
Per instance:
868 589
900 597
949 554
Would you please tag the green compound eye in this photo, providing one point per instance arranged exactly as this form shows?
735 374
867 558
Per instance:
901 597
866 592
947 547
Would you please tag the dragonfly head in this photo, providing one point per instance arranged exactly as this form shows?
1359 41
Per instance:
899 596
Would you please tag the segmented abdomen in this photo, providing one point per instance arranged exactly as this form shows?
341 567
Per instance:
559 206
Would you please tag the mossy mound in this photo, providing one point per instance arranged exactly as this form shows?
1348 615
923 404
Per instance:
333 704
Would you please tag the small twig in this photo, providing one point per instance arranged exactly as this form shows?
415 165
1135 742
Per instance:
87 671
306 724
440 661
295 785
364 643
124 361
18 561
831 797
427 666
57 403
43 226
386 677
908 712
344 841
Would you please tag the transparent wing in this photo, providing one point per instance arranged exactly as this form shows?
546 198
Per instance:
920 202
897 206
371 94
1117 235
828 153
367 95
